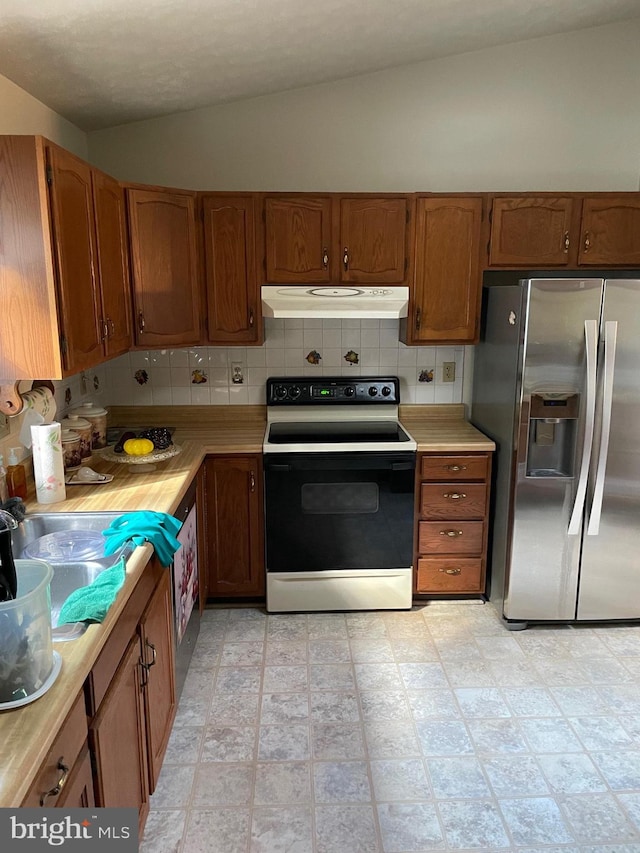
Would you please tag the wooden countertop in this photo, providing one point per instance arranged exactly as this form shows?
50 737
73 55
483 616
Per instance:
26 733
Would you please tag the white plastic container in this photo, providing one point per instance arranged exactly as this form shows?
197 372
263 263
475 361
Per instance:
26 660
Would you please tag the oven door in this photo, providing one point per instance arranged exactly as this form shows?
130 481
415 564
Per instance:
339 511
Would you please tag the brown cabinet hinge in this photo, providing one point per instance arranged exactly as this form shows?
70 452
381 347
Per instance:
63 344
49 173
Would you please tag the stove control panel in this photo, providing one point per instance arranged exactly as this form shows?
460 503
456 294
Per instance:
327 390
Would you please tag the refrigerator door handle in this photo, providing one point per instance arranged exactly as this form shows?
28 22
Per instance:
610 343
591 346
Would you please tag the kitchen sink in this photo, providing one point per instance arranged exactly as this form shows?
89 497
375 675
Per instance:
69 574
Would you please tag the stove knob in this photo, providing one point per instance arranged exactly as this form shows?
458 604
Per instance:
349 391
294 392
373 391
386 390
279 392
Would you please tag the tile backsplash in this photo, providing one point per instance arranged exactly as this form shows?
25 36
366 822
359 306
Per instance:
237 375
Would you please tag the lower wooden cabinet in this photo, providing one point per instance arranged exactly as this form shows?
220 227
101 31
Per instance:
451 538
234 526
65 777
131 696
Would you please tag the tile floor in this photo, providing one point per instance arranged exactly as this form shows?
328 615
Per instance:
434 729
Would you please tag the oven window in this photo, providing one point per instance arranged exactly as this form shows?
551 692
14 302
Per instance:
331 498
339 511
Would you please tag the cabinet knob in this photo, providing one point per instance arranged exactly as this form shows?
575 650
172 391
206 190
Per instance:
455 571
154 654
252 481
251 318
112 326
451 533
418 317
454 496
105 329
587 241
345 258
566 242
455 467
325 257
53 792
141 321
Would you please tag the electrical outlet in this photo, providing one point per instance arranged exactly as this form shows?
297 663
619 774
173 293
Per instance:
237 373
448 371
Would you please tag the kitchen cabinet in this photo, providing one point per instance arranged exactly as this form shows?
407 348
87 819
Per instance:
233 315
452 494
65 777
130 696
565 231
64 290
234 526
164 267
337 238
445 302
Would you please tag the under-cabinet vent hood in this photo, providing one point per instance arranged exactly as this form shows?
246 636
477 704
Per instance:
380 303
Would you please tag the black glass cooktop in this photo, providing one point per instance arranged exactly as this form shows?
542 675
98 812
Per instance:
336 432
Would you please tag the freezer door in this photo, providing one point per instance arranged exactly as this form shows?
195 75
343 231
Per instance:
552 447
610 573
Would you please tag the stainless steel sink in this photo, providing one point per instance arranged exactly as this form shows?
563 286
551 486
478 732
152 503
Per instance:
67 576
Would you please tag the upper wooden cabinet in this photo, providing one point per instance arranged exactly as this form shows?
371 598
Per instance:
445 303
610 232
64 288
330 238
164 266
565 231
233 314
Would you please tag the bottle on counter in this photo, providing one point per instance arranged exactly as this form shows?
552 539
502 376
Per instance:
16 475
4 489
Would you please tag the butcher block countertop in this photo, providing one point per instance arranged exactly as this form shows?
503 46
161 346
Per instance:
26 733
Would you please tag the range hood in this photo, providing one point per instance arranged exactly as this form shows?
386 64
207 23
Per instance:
331 302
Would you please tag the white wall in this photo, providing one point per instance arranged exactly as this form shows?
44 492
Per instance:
561 112
21 113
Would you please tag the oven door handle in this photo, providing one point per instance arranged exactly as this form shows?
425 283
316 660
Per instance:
274 466
402 466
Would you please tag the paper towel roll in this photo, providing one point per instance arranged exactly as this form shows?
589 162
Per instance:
48 468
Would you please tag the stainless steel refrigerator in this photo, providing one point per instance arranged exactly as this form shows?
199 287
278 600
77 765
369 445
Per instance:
557 387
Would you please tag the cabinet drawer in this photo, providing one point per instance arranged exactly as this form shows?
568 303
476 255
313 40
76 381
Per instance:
453 500
450 537
449 575
63 754
454 467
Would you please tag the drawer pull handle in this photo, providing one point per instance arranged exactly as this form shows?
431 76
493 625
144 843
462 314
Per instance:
455 467
454 496
452 533
154 655
451 571
59 785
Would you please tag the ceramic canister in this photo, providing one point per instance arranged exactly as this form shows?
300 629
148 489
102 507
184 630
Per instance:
84 429
97 416
71 455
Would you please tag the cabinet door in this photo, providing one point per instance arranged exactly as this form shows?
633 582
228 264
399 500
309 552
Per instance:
111 244
235 525
373 240
446 301
298 240
74 241
610 230
164 267
229 250
156 636
530 230
118 740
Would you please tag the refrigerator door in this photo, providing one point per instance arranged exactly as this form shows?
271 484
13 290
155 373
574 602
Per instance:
554 419
610 573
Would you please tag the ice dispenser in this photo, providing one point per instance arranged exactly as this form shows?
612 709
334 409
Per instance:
553 420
